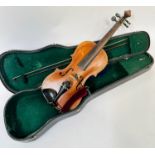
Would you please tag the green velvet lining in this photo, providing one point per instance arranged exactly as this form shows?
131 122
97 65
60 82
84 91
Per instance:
111 74
28 111
118 71
136 63
18 62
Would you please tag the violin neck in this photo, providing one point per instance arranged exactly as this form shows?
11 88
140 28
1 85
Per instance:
94 52
108 35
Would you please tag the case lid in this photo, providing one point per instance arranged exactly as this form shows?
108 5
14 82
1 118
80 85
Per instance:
21 70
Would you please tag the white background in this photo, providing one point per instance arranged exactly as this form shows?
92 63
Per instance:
122 117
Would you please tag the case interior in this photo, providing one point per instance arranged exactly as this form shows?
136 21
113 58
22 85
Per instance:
27 112
16 62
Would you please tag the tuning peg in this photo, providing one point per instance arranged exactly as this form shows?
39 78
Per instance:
118 15
127 21
125 25
114 19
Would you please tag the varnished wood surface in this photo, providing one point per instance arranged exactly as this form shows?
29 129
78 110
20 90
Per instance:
55 80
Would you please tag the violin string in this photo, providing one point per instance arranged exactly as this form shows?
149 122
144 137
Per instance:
64 62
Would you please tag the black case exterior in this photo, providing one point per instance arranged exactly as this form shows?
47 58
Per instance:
122 59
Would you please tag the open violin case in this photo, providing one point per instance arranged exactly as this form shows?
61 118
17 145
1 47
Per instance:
27 114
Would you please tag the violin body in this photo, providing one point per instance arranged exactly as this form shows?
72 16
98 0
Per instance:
73 78
65 88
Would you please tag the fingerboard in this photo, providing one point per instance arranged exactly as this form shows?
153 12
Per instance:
84 63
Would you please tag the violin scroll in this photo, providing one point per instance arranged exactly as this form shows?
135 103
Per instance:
127 14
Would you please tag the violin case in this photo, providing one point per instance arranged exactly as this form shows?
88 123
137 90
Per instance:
27 114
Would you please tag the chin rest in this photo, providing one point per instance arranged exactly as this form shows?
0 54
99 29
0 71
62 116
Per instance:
51 94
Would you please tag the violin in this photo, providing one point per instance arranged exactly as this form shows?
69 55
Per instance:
66 88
